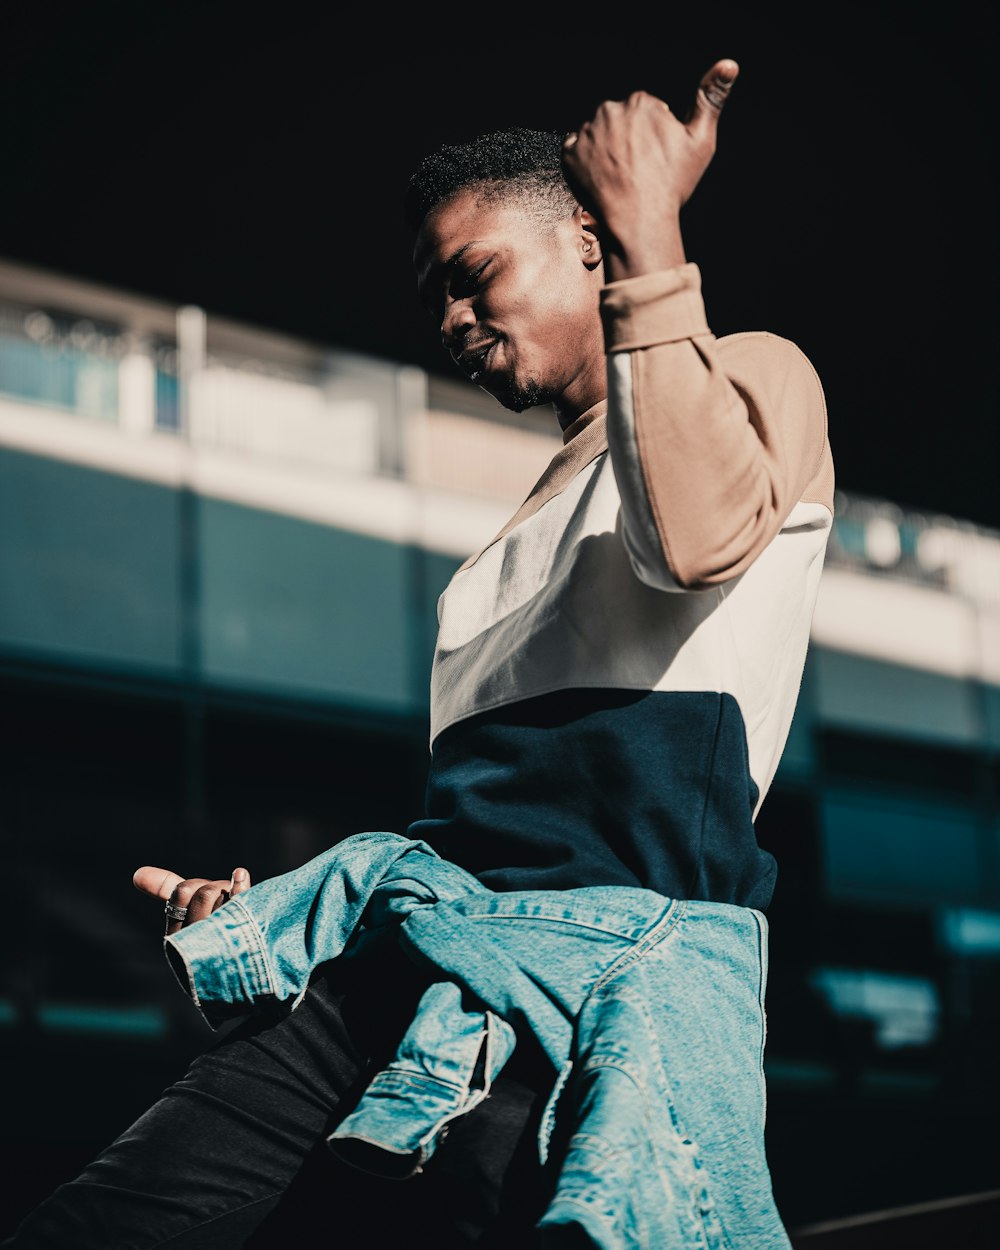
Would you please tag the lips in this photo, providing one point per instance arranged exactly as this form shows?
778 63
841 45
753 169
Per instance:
472 361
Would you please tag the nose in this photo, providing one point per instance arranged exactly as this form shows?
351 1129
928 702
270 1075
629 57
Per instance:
459 318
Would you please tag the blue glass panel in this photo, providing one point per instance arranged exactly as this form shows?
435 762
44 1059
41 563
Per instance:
891 848
88 564
857 692
59 376
168 415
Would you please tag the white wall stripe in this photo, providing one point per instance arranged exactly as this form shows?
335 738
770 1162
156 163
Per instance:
382 507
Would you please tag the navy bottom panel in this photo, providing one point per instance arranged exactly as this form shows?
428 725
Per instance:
602 787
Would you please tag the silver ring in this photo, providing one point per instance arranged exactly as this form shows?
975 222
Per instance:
175 912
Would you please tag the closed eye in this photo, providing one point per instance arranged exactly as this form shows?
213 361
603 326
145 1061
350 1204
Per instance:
465 284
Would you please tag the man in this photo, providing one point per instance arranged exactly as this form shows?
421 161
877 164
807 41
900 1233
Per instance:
613 684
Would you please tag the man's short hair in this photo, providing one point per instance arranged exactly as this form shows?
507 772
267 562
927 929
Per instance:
502 165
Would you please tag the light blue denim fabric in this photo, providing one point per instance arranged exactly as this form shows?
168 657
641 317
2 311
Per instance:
650 1009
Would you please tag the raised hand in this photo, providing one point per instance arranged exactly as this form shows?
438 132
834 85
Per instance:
198 895
635 164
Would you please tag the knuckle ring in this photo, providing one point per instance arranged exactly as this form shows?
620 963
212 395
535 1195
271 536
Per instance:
175 912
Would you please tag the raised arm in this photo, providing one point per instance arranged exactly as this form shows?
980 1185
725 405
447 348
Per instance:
713 441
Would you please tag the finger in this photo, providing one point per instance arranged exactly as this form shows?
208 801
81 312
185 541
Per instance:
713 92
198 898
181 896
159 882
204 901
241 881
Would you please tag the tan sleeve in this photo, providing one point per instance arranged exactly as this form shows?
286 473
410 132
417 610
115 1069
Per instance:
713 441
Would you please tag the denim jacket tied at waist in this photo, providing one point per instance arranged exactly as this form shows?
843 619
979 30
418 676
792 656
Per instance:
565 965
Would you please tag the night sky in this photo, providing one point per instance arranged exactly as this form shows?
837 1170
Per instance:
252 161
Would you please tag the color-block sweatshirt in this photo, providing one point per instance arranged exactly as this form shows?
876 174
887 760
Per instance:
616 671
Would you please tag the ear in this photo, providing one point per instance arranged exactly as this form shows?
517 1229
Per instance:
590 243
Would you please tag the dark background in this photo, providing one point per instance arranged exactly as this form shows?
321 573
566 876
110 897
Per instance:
253 163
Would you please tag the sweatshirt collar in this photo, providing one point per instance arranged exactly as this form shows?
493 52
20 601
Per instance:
583 441
575 427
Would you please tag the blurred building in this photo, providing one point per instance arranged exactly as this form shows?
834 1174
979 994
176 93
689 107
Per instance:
220 555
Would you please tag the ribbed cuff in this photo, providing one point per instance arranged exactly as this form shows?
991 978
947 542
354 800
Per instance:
661 307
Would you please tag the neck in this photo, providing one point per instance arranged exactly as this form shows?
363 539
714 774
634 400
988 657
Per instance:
566 416
582 395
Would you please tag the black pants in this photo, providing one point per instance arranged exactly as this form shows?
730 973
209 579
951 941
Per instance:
233 1154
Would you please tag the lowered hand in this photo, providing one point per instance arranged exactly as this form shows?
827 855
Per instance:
195 897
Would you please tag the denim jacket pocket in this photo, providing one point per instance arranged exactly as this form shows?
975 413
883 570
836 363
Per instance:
443 1067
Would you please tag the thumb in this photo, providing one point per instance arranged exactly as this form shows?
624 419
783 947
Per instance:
159 882
240 881
713 92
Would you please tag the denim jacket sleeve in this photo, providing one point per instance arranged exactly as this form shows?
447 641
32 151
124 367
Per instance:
264 944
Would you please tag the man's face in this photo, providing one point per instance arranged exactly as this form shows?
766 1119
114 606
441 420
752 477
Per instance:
516 299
